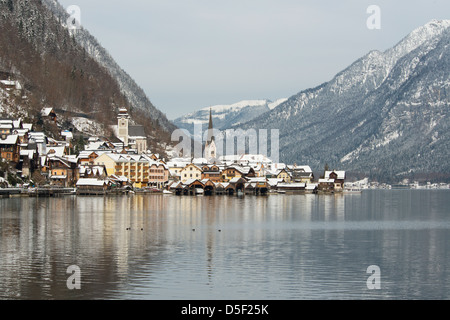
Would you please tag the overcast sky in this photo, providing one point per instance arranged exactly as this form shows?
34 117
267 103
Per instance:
191 54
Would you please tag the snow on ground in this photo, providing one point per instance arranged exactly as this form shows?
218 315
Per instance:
276 103
237 106
87 126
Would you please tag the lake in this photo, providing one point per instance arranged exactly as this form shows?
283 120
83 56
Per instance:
276 247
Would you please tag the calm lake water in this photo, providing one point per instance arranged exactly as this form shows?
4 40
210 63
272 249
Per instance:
286 247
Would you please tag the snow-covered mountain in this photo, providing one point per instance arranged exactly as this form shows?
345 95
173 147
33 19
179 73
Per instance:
386 115
226 116
135 95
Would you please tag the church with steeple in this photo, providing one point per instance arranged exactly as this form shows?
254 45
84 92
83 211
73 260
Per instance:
132 136
210 151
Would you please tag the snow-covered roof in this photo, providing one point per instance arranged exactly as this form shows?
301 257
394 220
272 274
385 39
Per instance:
300 168
177 164
46 111
340 174
10 140
176 185
67 134
6 126
326 180
58 177
12 83
192 165
91 182
259 179
191 181
311 186
200 161
119 178
27 153
235 180
28 126
291 185
125 158
56 151
274 181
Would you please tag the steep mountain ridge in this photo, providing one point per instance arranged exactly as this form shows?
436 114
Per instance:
56 71
131 90
381 104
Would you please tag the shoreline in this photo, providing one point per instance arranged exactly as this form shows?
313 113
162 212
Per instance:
6 193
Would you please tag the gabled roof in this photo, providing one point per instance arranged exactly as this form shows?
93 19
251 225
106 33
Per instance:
192 165
191 181
136 131
237 180
176 185
340 174
46 112
10 140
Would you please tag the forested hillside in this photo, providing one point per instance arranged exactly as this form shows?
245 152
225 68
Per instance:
55 71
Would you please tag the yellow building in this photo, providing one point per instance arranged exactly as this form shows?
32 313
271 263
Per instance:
283 174
191 171
140 170
231 173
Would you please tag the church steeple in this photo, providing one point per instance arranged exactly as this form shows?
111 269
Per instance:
210 147
210 128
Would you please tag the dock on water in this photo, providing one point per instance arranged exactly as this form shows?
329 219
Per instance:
36 192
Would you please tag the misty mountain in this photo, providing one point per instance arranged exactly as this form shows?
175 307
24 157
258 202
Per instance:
226 116
385 116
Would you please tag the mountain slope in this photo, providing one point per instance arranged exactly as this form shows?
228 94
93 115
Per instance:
56 71
135 95
226 116
385 115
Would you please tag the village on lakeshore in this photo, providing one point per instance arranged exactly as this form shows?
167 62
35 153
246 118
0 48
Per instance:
106 167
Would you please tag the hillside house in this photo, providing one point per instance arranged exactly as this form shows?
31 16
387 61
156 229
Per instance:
10 148
49 113
12 86
62 172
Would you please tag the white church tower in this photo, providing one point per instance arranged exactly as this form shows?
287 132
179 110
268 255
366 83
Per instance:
123 119
210 147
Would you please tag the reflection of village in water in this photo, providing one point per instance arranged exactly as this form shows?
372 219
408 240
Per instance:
125 245
104 236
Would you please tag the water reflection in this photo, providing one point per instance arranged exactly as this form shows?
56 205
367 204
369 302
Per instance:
276 247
